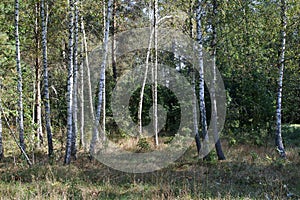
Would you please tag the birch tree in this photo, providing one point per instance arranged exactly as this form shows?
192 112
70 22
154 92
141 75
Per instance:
214 122
101 79
201 71
38 97
195 105
155 71
70 84
278 138
19 71
145 76
46 79
75 82
82 122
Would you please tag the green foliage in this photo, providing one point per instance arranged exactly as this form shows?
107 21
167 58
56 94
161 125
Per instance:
143 144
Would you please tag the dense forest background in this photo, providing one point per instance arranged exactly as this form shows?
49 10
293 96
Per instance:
248 55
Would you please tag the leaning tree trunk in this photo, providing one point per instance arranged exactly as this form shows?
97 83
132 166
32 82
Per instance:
19 71
75 84
201 77
70 85
218 145
46 79
140 122
15 137
101 80
278 138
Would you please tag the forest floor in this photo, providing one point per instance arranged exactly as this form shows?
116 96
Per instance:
250 172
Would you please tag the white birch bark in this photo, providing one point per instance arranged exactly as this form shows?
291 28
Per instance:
195 105
75 82
278 138
201 76
102 79
46 79
87 70
155 71
145 79
82 122
38 96
70 84
19 71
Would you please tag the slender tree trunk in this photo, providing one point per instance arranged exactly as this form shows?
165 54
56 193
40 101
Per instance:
46 79
70 84
155 71
38 96
195 116
140 122
87 69
201 76
218 145
75 84
1 144
19 71
278 138
102 79
82 122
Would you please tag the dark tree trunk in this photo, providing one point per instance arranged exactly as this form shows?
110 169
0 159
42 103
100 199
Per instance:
46 79
218 145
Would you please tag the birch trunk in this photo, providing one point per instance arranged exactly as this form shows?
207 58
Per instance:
140 122
218 145
102 79
70 85
155 71
19 71
195 116
82 122
201 75
38 96
75 84
87 69
278 138
46 79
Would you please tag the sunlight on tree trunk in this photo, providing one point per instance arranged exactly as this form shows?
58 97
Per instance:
70 85
101 80
201 77
278 138
75 83
19 71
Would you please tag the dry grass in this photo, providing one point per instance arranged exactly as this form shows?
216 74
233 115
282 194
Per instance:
250 172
